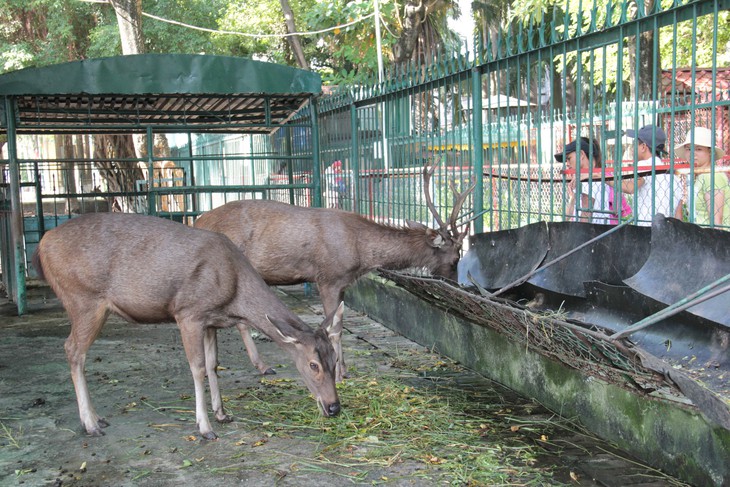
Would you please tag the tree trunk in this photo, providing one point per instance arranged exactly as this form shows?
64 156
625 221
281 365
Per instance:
414 15
112 152
645 58
67 184
120 176
294 41
129 19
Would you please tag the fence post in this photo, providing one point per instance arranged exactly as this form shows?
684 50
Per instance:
478 151
354 159
316 164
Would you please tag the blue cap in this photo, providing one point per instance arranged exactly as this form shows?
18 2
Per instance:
649 134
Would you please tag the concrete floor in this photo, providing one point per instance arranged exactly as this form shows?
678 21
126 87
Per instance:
132 369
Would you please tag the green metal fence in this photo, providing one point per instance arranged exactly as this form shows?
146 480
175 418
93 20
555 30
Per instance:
500 115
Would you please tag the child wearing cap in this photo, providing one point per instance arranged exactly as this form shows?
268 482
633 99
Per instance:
595 194
665 194
710 188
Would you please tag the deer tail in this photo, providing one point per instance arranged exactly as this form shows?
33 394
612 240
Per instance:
37 265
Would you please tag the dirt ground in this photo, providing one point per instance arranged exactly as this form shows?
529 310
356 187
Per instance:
140 382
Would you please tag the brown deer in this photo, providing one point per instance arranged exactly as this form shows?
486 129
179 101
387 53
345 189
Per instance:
150 270
291 244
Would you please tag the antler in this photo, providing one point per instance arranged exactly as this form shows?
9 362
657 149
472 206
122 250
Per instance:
427 173
460 200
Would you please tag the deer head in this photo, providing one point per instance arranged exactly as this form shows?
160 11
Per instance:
450 229
447 237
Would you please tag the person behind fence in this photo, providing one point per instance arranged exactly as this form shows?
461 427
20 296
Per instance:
661 193
710 187
336 187
594 203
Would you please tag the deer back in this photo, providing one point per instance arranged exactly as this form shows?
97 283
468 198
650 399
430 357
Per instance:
289 244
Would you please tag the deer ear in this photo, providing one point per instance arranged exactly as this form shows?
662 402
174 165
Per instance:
416 225
436 239
334 329
284 338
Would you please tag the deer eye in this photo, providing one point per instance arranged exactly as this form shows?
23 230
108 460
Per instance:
314 366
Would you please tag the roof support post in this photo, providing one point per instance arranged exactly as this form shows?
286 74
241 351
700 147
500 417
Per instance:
16 212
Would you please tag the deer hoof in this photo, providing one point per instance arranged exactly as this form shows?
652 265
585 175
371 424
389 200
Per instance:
227 418
209 436
95 432
103 423
269 371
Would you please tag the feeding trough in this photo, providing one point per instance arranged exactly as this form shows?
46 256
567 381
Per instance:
619 278
549 309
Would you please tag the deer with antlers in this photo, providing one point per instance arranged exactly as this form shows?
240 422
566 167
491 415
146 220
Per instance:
290 244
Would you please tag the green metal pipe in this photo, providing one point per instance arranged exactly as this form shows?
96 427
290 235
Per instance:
316 163
354 158
693 299
151 203
478 152
16 210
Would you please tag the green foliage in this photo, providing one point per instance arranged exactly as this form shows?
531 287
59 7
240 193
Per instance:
43 32
253 17
104 41
349 55
165 37
690 41
700 39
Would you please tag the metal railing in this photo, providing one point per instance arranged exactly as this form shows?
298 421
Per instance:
499 115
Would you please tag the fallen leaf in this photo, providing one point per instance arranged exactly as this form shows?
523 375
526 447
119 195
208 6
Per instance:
83 467
514 428
574 476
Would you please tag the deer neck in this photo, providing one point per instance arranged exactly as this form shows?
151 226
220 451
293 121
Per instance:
397 248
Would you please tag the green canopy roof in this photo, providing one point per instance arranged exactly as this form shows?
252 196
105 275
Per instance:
167 91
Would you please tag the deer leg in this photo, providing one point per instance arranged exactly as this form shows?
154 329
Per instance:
331 297
85 327
253 352
210 342
193 342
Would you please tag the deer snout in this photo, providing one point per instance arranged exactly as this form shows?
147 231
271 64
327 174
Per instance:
332 409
